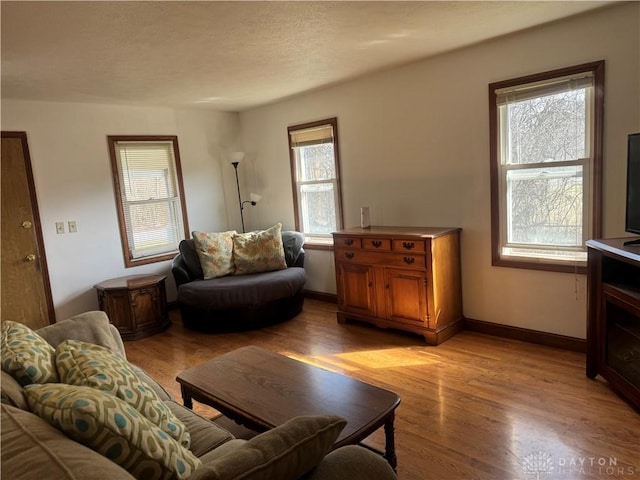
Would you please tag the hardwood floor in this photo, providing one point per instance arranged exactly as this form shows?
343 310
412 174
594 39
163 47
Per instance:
474 407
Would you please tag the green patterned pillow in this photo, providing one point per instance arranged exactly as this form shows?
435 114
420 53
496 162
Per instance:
26 356
86 364
112 428
260 251
215 251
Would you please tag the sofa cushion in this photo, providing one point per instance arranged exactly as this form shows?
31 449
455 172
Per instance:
12 393
113 428
286 452
26 356
215 252
205 435
242 291
91 327
188 253
85 364
260 251
292 243
32 448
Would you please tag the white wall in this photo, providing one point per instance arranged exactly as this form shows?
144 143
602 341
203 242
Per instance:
73 180
414 146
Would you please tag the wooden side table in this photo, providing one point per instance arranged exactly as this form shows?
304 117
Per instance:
136 305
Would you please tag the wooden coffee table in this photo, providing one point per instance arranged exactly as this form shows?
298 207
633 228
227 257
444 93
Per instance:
261 390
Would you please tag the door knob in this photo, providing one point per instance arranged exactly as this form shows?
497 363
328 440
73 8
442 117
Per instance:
27 224
30 258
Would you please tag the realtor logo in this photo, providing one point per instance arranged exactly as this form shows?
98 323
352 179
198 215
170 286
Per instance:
539 464
536 463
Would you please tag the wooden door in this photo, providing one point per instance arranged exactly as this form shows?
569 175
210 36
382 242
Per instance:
25 292
356 288
406 296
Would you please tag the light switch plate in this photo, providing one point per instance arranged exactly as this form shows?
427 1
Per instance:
73 227
59 227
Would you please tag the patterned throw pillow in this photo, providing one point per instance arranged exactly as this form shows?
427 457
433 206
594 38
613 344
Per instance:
260 251
215 251
26 356
112 428
85 364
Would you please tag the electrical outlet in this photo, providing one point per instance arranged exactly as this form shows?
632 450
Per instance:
73 227
59 227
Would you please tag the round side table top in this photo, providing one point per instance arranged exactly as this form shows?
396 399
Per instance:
130 282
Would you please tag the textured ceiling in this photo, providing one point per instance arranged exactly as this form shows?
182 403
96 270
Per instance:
234 55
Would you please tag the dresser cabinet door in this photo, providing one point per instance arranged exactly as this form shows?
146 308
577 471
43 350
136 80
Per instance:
356 288
406 296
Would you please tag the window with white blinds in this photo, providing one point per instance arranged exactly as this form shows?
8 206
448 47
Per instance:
316 180
148 184
546 132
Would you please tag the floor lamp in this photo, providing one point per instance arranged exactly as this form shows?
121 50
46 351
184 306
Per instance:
254 198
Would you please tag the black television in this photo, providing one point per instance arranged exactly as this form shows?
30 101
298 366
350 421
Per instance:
632 220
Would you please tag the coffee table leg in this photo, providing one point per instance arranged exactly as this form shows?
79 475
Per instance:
186 397
390 447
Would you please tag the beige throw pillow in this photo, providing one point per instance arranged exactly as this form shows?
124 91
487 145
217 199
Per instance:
215 251
286 452
260 251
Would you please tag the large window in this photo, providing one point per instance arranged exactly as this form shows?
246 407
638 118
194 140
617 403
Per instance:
546 158
149 195
315 174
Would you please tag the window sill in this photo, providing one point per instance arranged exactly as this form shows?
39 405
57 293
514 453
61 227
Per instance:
318 246
579 267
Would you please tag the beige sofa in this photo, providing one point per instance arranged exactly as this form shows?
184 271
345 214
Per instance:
34 449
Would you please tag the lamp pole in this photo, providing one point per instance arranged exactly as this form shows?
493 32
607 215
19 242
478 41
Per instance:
235 166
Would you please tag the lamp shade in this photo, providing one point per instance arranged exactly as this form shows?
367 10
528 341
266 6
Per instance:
237 156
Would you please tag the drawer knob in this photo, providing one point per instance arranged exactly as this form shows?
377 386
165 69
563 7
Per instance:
409 260
349 255
408 245
348 242
376 243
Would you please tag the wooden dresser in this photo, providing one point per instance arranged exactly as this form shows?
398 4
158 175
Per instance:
406 278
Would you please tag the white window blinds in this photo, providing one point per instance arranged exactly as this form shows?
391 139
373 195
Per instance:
150 197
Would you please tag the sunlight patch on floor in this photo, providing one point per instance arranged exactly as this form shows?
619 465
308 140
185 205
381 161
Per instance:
367 359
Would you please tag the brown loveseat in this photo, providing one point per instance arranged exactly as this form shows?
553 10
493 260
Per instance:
34 449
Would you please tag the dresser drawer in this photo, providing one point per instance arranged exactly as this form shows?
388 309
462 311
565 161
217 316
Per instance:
380 244
412 246
406 260
349 242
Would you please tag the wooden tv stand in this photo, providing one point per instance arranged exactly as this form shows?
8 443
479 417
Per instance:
613 315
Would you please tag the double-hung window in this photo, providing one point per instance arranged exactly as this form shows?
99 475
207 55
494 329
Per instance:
546 157
149 196
315 174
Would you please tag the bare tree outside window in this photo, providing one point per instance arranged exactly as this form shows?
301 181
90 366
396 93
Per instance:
316 180
545 162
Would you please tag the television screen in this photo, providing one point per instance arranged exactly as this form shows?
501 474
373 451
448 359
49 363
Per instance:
632 224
